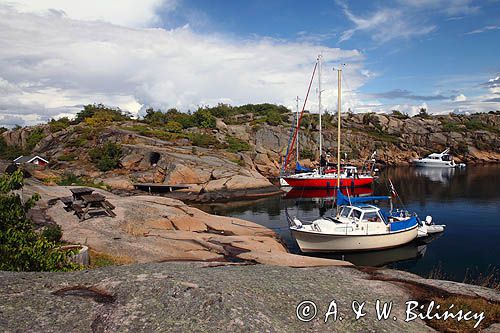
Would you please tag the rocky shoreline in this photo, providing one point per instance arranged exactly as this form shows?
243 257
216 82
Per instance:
156 229
237 161
202 297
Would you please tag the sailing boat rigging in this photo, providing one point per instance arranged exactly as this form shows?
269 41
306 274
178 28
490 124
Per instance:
325 177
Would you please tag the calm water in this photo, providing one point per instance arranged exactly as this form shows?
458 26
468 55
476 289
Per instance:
467 201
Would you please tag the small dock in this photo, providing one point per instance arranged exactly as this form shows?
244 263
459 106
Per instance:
159 188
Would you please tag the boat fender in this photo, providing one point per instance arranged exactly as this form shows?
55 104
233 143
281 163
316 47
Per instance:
428 220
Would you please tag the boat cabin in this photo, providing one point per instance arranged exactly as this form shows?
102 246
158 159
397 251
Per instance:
440 157
360 213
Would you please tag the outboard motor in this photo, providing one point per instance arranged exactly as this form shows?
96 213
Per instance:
428 220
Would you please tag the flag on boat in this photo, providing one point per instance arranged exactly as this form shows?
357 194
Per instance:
394 194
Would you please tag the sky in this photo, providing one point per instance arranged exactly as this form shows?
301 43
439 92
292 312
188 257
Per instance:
57 55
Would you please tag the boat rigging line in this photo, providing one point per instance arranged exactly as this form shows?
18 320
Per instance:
294 138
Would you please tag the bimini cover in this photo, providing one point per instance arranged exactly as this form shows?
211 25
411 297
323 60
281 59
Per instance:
300 168
401 225
345 200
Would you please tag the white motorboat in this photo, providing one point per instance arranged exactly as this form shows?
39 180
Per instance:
428 228
355 228
442 160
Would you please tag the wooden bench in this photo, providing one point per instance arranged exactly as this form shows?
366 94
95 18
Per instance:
68 201
78 211
108 204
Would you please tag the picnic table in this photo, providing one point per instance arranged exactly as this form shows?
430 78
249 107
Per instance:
78 192
93 204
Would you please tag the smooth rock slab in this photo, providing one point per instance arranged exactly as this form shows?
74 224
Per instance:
194 297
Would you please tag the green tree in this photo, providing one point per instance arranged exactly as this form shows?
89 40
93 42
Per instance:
422 113
21 248
100 111
204 119
155 117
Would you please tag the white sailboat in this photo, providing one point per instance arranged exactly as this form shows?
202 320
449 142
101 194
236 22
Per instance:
358 227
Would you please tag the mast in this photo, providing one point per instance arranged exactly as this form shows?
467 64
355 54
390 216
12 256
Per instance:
297 155
339 78
319 106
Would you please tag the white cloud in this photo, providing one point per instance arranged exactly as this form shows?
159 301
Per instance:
51 65
484 29
460 98
385 24
136 13
450 7
410 109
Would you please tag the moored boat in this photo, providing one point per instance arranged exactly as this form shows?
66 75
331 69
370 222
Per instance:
355 228
328 180
440 160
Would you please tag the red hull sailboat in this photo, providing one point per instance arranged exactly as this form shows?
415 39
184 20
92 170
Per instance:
324 178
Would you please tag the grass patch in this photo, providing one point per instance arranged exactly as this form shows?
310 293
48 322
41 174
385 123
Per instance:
475 305
449 126
69 179
67 157
170 133
382 136
204 140
99 259
235 145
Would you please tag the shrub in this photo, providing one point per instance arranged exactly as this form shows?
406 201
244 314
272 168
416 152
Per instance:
474 125
462 149
10 152
398 114
274 118
67 157
58 125
106 157
204 119
21 248
69 179
236 145
307 153
422 113
34 138
99 111
203 140
450 126
52 233
369 118
173 126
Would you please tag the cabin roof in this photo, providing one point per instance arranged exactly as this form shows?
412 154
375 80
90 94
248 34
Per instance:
29 159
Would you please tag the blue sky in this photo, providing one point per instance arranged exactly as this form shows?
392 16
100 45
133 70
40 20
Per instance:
446 48
56 55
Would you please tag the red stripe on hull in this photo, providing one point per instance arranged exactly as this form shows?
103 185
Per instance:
328 182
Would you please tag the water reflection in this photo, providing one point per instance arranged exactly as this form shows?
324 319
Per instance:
440 175
466 200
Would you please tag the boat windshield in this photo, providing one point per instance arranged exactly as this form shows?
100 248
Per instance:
345 212
371 217
356 214
446 157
